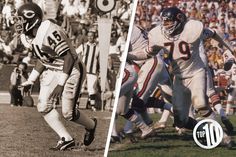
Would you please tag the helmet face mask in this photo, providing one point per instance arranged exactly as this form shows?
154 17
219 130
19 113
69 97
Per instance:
168 26
172 21
28 17
19 24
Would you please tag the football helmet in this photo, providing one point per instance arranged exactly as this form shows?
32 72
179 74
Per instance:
172 21
28 16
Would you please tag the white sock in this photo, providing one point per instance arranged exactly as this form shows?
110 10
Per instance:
164 116
54 121
114 132
220 110
228 107
128 128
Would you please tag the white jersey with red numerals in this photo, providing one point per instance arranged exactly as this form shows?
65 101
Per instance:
50 44
231 74
184 50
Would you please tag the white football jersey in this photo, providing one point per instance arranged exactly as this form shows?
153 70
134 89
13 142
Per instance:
184 50
232 75
50 44
138 42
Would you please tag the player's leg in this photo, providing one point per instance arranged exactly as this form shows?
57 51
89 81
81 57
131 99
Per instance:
124 100
216 103
149 76
69 110
181 103
50 114
230 100
91 86
114 135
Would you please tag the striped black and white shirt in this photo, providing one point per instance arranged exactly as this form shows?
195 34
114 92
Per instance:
89 53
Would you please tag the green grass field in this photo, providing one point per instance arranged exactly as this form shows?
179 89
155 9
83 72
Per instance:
24 133
166 143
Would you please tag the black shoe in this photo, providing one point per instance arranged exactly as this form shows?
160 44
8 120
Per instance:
63 145
89 135
115 139
228 125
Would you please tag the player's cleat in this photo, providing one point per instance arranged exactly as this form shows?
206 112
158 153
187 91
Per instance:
227 141
228 125
159 125
132 138
115 139
146 132
89 135
63 145
180 131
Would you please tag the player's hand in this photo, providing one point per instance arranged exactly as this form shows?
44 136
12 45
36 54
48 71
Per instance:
57 92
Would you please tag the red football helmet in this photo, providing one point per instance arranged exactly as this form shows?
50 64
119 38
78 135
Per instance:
28 16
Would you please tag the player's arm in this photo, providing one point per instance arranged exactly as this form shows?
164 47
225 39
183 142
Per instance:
208 33
144 53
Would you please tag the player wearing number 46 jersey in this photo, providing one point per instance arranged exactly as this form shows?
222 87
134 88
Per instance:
62 74
183 38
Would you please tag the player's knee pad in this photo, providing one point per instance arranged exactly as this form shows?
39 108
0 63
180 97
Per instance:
205 111
68 115
44 107
199 102
138 105
129 114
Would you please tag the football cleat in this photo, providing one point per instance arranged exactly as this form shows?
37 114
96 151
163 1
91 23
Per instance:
159 125
228 125
63 145
115 139
146 132
89 135
227 141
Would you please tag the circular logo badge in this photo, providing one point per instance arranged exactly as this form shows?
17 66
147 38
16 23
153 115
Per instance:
207 134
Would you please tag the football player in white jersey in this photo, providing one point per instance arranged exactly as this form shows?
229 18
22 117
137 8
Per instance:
130 77
62 74
183 38
212 95
231 89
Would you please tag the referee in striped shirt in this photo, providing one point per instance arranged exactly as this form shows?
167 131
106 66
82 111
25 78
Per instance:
89 52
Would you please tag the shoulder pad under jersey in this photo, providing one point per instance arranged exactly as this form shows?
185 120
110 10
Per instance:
155 36
41 33
192 31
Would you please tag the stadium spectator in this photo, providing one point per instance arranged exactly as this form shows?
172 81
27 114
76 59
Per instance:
28 59
18 76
